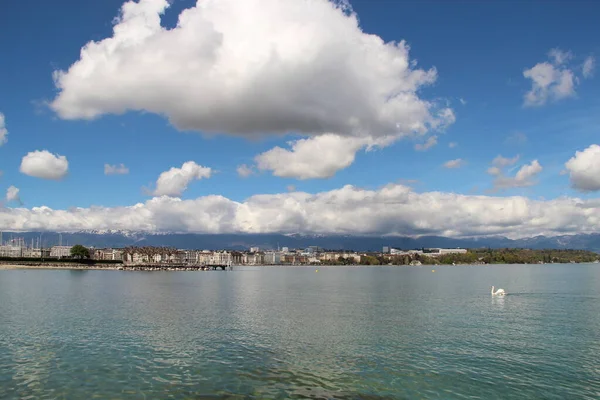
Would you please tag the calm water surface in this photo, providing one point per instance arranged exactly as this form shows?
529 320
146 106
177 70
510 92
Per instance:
340 333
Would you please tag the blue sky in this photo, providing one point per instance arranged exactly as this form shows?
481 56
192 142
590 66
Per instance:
480 51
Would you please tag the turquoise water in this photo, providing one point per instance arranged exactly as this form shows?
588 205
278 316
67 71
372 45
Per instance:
340 333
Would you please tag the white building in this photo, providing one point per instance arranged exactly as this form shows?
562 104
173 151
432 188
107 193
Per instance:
440 252
220 258
60 251
396 252
205 257
253 259
335 256
11 251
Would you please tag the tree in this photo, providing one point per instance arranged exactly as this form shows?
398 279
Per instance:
80 252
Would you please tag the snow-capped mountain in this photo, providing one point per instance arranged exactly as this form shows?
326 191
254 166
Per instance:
121 238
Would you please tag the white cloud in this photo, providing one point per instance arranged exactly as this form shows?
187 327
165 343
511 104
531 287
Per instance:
588 67
393 209
584 169
254 67
462 101
516 139
12 194
244 171
115 169
494 171
316 157
559 56
454 163
432 141
45 165
3 130
528 171
452 145
176 180
524 177
554 80
548 83
502 162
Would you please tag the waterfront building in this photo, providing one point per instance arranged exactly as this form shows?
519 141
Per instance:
224 258
396 252
107 254
436 252
35 253
188 256
272 258
253 258
328 257
11 251
204 257
60 251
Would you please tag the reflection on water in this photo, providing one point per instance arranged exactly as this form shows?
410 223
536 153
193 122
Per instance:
498 301
344 333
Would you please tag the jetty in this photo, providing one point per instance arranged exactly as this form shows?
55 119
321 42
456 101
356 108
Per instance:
174 267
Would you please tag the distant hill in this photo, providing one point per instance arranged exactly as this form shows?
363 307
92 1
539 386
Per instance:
111 238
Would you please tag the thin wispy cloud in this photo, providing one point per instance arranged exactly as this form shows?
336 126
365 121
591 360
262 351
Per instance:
524 177
516 139
432 141
453 164
120 169
589 65
3 130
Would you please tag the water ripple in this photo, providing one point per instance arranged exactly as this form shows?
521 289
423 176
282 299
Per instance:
372 333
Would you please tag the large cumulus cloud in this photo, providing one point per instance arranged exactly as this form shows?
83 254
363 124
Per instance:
394 210
584 169
253 67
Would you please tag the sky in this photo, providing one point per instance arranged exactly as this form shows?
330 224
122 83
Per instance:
453 118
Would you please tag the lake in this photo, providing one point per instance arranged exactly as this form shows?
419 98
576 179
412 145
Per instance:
293 332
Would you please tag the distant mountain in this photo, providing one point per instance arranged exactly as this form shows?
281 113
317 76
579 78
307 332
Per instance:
114 238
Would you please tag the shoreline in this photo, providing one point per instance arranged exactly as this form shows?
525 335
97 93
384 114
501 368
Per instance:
4 265
79 267
63 267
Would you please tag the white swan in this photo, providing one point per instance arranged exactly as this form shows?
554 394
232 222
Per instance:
499 292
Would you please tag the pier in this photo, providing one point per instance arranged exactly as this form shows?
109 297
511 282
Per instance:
175 267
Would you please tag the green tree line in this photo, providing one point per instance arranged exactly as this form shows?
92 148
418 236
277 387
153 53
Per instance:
474 256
